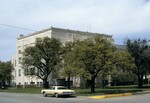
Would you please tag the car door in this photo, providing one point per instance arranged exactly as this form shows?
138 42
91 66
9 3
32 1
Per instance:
50 91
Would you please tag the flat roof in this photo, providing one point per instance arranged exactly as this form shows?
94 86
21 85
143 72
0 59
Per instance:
62 29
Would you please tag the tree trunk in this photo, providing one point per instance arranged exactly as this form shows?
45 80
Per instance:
92 84
140 81
68 80
103 83
45 83
3 84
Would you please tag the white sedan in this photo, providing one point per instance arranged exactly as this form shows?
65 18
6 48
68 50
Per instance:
58 91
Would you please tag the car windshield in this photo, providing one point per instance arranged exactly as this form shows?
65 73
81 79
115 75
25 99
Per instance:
60 88
51 88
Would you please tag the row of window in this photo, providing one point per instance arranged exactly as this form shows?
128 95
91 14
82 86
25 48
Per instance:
32 71
30 83
19 73
24 47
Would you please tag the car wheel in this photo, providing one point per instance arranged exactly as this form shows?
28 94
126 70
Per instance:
56 95
45 94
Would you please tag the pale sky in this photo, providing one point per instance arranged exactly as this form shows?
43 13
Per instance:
124 19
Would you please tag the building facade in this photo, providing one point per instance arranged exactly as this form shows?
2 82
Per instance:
64 35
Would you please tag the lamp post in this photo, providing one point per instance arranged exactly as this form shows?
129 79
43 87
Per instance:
148 82
115 81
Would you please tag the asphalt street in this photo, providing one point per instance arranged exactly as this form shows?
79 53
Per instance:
37 98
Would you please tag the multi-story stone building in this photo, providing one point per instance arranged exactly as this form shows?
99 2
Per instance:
65 35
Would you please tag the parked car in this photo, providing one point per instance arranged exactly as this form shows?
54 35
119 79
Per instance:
58 91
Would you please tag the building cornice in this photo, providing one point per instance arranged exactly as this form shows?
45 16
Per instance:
80 32
65 30
32 34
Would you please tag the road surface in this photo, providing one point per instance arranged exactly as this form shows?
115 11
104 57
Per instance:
37 98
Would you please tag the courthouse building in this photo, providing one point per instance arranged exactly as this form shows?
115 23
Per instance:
23 41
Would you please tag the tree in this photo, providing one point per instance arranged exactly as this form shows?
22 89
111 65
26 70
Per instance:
125 78
6 69
92 56
68 70
139 49
41 59
123 63
98 55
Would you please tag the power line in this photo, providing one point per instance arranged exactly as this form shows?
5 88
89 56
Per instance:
17 27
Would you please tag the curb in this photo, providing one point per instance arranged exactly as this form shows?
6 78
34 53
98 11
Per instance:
110 96
143 92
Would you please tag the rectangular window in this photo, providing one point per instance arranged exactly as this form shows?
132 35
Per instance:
32 71
15 73
19 72
26 72
41 84
26 83
32 82
19 51
19 60
38 84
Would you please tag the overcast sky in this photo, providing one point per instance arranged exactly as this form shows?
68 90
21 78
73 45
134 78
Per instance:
121 18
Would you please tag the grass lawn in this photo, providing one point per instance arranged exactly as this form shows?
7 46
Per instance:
83 92
22 90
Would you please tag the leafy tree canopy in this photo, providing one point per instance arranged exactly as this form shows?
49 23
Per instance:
140 51
6 69
41 59
97 55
